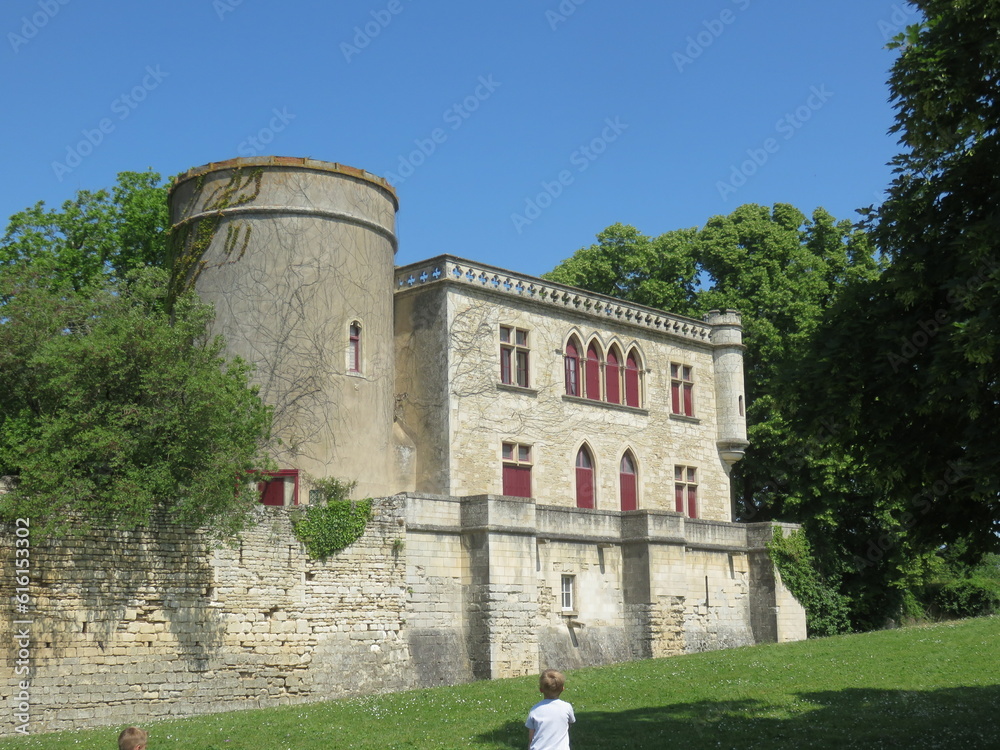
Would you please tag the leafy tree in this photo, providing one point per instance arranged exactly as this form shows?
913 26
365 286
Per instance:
96 234
924 396
773 265
114 405
113 410
916 396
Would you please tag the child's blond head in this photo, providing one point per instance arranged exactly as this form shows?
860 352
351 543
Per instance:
551 683
132 738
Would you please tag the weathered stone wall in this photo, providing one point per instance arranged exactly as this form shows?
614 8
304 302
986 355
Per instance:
128 627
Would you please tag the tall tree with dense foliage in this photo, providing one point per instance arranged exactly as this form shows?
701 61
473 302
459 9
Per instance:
778 268
98 233
917 351
114 406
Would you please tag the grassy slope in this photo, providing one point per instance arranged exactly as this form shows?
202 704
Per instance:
926 687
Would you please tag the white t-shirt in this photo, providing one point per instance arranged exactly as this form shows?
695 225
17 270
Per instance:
550 720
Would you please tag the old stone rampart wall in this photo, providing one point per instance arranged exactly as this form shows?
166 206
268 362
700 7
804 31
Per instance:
132 626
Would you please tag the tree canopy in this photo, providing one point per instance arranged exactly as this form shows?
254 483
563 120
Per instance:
115 406
917 399
779 269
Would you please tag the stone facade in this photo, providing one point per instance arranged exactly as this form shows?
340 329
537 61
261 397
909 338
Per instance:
457 414
394 378
136 626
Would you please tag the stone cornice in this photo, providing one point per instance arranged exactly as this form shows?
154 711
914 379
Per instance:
449 268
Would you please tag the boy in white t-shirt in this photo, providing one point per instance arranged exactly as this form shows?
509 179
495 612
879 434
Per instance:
548 721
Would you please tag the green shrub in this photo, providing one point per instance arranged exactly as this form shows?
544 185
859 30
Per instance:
827 610
968 591
331 522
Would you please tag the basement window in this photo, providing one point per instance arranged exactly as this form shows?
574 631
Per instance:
567 594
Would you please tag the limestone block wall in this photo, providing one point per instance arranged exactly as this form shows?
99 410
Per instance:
127 627
124 627
459 366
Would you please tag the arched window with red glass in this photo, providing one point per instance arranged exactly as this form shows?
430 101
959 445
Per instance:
633 370
613 376
628 482
593 378
572 365
584 478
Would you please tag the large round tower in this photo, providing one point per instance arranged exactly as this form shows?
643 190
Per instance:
297 257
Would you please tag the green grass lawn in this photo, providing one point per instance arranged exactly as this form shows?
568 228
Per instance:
923 687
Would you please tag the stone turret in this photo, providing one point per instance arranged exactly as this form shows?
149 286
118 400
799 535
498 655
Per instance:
297 257
727 342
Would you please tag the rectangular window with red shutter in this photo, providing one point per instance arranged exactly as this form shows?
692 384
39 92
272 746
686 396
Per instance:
517 462
682 390
686 490
279 487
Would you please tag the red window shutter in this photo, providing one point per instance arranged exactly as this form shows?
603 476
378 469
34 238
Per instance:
679 498
593 375
272 491
272 487
688 400
584 479
517 481
692 502
584 488
675 397
631 382
628 491
612 380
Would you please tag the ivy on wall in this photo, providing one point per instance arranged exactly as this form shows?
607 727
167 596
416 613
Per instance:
334 522
826 608
191 237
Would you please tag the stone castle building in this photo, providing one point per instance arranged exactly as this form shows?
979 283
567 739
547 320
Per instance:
554 465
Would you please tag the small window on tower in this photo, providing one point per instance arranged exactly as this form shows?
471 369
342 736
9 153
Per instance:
354 348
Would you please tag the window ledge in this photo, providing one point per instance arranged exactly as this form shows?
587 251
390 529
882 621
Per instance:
517 389
685 418
607 405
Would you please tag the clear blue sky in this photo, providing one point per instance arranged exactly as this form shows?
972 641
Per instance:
634 112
